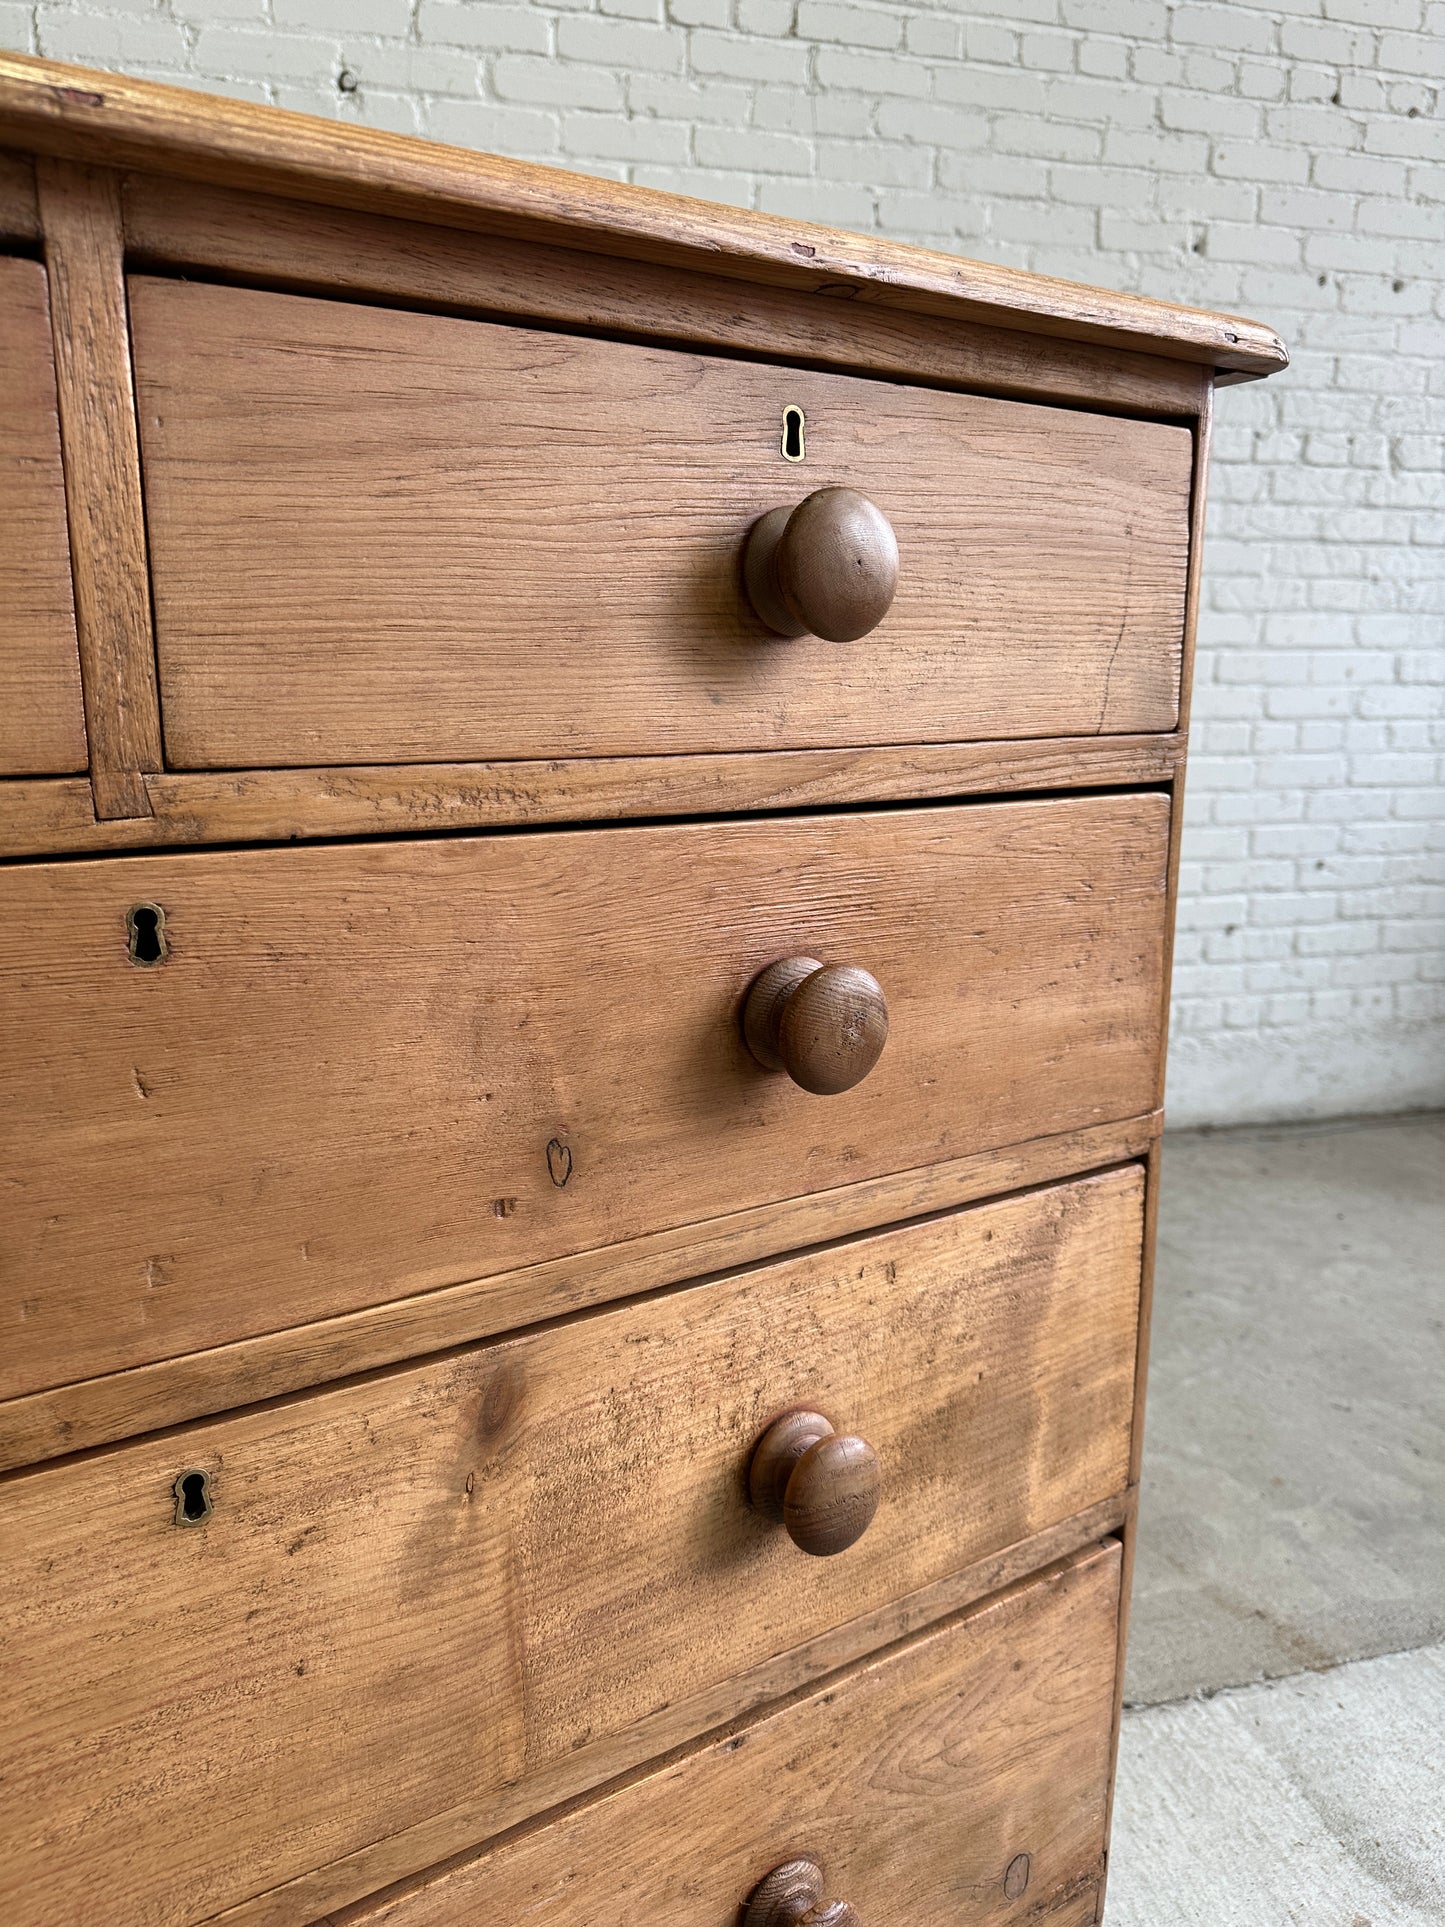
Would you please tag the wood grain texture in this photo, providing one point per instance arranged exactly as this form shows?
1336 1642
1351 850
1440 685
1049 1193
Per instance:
73 1418
821 1485
56 817
1153 1166
1197 506
137 124
832 1497
19 216
42 724
783 1896
488 541
915 1783
312 249
80 210
416 1592
827 566
398 1099
371 1070
825 1025
648 1740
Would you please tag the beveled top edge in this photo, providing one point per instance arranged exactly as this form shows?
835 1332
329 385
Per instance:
109 119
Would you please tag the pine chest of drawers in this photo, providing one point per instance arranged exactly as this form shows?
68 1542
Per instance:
590 807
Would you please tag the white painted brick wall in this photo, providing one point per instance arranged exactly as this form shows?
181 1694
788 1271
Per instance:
1283 160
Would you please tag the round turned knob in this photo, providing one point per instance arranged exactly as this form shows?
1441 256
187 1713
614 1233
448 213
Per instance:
823 1487
792 1896
824 1024
828 567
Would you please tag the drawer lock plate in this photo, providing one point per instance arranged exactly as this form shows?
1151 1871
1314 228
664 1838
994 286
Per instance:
193 1498
145 926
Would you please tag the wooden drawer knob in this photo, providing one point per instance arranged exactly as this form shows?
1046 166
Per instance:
822 1486
792 1896
824 1024
828 567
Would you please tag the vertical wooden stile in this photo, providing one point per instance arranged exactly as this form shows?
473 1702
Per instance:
1130 1532
19 220
80 215
1186 684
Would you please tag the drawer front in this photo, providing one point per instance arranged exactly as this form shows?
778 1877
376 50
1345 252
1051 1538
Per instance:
414 1593
362 1072
42 728
959 1783
486 541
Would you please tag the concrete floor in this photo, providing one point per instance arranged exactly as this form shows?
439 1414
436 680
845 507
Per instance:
1293 1519
1293 1505
1317 1801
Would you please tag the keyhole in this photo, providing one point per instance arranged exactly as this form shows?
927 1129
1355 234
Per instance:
793 419
193 1498
146 933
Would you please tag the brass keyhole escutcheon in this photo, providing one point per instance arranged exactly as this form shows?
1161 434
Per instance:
794 448
145 928
193 1497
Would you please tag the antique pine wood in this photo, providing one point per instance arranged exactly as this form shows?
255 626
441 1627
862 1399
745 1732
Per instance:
133 125
1129 1530
434 1343
917 1783
417 1590
1151 1215
368 1070
42 726
1176 777
287 806
310 1897
19 216
494 541
71 1418
279 243
81 211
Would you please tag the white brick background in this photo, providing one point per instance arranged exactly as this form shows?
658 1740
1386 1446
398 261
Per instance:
1279 160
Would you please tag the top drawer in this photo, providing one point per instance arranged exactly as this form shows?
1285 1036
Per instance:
391 537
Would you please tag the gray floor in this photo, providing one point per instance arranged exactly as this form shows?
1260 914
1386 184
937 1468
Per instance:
1317 1801
1293 1520
1294 1468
